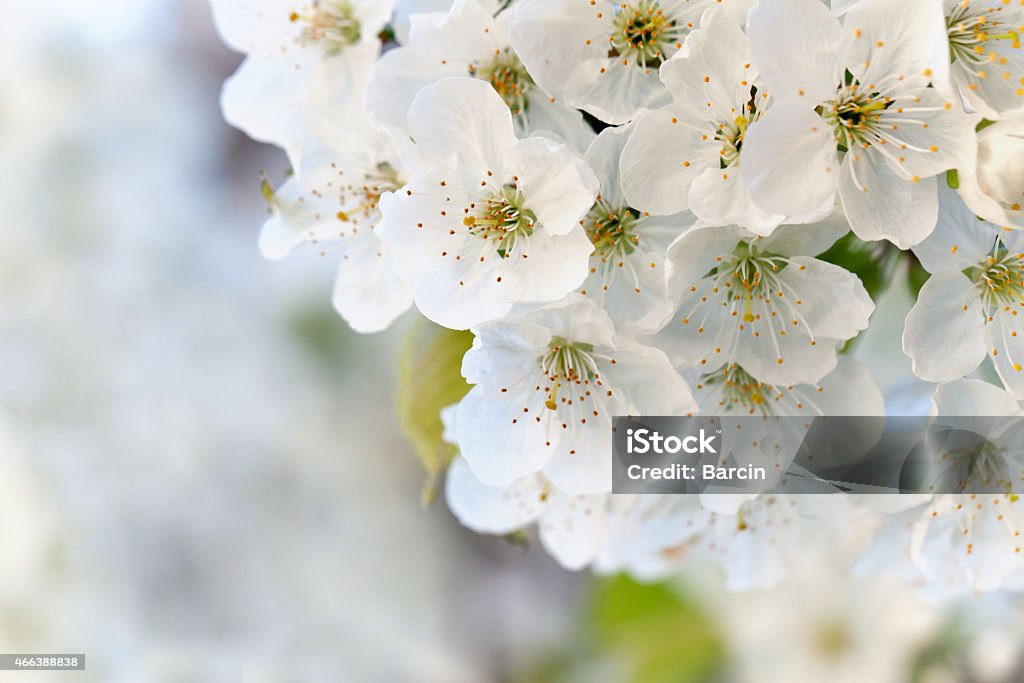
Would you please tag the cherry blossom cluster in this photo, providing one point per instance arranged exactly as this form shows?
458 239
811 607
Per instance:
626 203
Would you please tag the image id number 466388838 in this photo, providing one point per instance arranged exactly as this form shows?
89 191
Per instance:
42 662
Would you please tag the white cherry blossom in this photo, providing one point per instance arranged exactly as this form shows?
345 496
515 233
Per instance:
847 390
301 55
968 542
687 154
547 383
469 41
985 48
762 303
973 304
603 56
573 528
496 220
334 206
822 624
996 190
750 543
981 56
853 114
627 268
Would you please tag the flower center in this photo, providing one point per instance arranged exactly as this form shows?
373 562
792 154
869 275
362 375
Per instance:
1000 277
740 391
749 275
832 639
331 23
972 29
730 135
502 218
361 199
564 365
644 34
509 78
970 463
855 116
612 231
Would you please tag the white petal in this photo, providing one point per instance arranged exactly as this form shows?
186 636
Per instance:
397 78
662 158
647 382
557 121
576 318
259 99
806 239
634 294
1006 338
789 160
882 205
504 353
695 253
803 362
936 134
906 39
834 303
699 332
554 267
417 220
574 530
582 462
499 451
959 241
298 217
996 191
944 333
252 26
369 291
614 92
456 294
493 509
849 390
557 185
795 43
551 37
720 197
970 397
462 119
603 157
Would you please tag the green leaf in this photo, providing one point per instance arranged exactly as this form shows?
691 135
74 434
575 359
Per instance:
429 379
658 635
875 263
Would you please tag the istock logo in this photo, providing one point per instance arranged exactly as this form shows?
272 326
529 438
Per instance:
646 441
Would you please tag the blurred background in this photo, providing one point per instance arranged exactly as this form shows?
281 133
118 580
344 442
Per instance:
202 477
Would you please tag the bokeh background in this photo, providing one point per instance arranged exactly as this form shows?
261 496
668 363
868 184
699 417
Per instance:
202 477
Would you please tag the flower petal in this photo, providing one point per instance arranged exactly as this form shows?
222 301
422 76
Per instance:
494 509
794 43
789 160
465 120
959 241
369 292
882 205
574 529
944 333
497 450
557 185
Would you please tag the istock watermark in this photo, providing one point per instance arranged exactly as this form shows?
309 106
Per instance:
869 455
645 441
